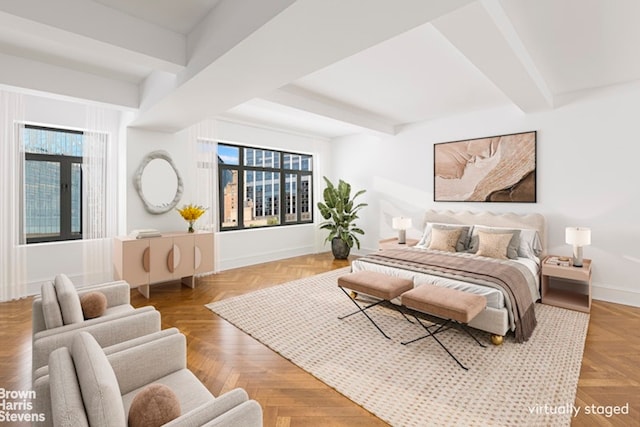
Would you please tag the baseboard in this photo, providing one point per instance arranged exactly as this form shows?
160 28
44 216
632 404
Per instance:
260 258
618 296
79 280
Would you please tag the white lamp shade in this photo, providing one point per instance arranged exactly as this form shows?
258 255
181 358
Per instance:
401 223
578 236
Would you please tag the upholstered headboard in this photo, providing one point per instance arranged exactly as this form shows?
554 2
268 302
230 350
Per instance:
492 219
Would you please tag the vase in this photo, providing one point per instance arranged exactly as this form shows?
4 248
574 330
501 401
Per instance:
191 230
340 248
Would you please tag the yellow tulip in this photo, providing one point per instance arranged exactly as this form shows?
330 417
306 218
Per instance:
191 212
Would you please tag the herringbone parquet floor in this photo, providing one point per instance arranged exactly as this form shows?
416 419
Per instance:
224 358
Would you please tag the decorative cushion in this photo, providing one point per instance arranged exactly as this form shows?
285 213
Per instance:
154 405
493 245
514 242
444 240
68 299
463 240
93 304
98 383
50 306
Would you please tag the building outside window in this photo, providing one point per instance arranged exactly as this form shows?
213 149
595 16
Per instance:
52 184
262 188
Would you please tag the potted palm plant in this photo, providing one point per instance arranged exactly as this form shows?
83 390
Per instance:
340 212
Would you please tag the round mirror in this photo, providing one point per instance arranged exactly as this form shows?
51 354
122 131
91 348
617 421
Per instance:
158 182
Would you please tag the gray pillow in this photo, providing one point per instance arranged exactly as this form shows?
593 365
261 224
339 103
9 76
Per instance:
50 306
98 383
514 243
68 299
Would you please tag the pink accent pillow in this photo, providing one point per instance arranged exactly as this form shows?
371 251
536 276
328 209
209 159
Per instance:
154 405
93 304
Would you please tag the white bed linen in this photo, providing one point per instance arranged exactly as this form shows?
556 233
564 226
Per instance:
495 298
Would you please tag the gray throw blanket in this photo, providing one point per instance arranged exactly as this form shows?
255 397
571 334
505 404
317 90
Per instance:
500 275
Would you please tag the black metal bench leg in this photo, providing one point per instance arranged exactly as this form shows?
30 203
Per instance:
399 310
464 328
362 310
433 334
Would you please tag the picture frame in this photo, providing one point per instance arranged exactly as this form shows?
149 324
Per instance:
497 169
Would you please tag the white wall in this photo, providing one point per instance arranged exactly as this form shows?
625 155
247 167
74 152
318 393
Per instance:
586 176
139 144
232 248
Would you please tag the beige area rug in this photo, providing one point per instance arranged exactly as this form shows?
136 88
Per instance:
532 384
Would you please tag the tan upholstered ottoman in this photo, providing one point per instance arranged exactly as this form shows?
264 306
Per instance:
378 285
449 304
443 302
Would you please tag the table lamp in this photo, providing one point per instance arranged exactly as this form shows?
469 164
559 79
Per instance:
578 237
401 224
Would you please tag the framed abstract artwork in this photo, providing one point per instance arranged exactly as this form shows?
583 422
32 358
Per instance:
493 169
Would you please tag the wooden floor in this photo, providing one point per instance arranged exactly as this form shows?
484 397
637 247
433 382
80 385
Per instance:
224 358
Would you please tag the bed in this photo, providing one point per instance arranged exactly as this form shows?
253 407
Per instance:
445 258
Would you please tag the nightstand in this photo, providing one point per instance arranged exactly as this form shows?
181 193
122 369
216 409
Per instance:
392 243
567 287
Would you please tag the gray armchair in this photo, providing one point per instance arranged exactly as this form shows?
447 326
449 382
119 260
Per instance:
57 317
86 385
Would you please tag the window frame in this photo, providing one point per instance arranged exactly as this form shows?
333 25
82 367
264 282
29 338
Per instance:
66 166
283 172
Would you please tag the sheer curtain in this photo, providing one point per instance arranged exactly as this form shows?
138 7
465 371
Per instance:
203 154
100 192
13 272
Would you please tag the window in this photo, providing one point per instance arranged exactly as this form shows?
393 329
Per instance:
262 188
52 184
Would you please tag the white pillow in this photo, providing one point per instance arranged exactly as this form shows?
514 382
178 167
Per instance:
530 243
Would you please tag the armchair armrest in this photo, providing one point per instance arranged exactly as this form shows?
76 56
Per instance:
230 409
247 414
42 403
107 330
116 348
44 370
137 366
91 322
117 293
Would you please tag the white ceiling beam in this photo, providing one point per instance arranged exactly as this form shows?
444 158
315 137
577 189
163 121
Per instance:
93 27
484 34
301 99
224 27
33 75
305 37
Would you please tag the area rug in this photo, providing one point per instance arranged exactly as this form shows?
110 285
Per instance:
531 384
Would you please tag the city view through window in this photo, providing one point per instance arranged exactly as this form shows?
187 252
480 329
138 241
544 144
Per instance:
260 188
52 184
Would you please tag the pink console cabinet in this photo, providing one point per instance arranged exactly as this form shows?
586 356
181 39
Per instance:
172 256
